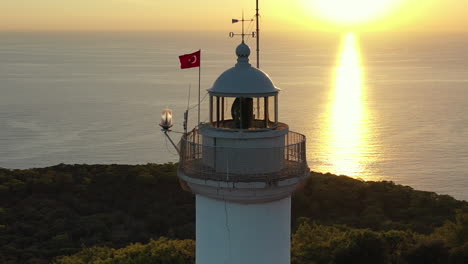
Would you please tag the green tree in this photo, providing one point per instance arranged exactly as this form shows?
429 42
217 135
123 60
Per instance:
429 251
313 243
459 255
360 247
455 232
161 251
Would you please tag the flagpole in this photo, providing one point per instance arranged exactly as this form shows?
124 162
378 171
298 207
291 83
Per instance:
199 77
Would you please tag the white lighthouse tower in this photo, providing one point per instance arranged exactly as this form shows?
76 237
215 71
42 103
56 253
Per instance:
243 165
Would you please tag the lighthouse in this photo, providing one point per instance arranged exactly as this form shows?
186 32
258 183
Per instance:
243 166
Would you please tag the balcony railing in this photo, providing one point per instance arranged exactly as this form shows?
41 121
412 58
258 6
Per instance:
236 164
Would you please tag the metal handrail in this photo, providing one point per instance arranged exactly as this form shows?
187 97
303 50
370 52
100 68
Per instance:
194 153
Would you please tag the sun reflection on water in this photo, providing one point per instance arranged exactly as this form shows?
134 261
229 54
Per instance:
345 137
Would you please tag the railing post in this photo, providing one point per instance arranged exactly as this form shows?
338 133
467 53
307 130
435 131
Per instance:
211 110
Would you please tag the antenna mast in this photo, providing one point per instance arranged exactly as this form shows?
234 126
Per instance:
258 36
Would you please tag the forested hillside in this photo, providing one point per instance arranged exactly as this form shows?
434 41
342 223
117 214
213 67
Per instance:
93 210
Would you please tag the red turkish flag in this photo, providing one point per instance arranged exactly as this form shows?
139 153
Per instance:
190 60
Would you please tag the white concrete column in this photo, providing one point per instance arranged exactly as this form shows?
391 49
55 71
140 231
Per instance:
233 233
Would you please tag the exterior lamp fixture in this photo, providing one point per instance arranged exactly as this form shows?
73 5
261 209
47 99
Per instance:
166 120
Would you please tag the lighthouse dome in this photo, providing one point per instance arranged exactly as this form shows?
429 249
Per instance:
243 80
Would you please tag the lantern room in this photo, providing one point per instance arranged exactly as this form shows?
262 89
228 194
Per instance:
243 148
243 97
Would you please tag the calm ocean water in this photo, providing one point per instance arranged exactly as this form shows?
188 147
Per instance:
377 107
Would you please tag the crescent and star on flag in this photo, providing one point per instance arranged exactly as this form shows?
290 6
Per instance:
193 59
190 60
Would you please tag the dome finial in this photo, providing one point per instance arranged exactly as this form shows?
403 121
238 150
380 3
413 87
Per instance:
243 53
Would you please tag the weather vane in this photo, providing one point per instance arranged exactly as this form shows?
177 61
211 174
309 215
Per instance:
232 34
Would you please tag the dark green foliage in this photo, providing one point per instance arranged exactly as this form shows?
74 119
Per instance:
321 244
429 252
456 232
397 243
360 247
57 211
329 199
459 255
162 251
313 243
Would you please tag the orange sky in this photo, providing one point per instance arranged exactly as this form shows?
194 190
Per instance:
210 15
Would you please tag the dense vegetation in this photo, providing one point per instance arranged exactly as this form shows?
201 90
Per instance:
160 251
329 199
59 210
91 210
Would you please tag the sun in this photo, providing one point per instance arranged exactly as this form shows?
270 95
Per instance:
351 12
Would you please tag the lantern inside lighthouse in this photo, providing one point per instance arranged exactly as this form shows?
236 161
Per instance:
255 112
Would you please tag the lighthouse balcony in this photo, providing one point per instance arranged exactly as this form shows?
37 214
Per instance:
240 163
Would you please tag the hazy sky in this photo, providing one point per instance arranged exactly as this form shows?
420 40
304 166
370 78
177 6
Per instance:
209 15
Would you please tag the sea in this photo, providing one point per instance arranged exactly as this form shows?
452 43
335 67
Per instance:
373 106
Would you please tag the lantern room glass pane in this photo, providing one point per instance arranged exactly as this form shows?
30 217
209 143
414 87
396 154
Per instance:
243 112
272 111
